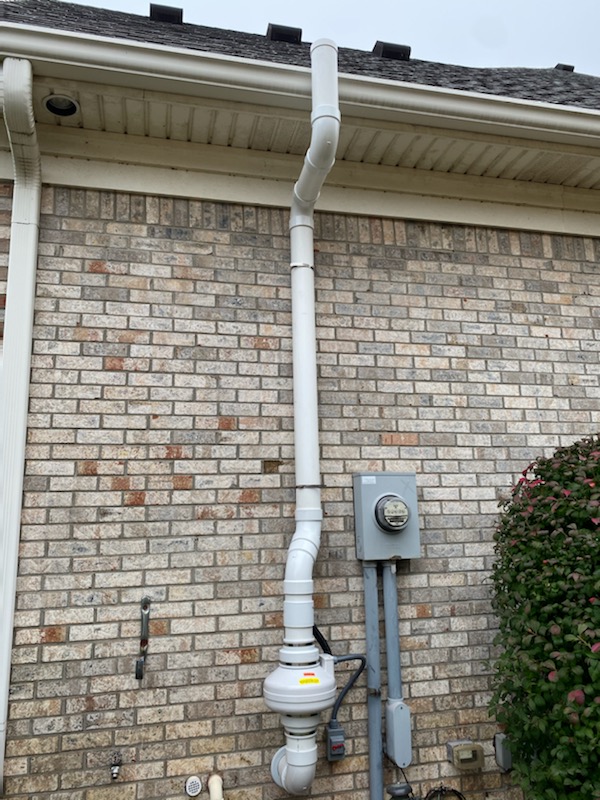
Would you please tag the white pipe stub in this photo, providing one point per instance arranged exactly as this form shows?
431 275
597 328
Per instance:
215 787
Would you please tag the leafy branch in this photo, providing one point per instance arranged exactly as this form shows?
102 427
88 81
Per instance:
546 583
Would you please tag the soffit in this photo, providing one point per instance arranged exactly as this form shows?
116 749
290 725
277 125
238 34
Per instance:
383 142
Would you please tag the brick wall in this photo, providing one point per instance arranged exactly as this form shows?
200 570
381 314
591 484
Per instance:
160 462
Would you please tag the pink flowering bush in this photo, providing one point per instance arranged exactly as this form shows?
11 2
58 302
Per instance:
546 582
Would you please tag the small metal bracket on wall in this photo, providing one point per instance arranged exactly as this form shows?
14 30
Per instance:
145 623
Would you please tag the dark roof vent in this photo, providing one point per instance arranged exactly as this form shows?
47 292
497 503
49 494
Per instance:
280 33
565 67
399 52
166 14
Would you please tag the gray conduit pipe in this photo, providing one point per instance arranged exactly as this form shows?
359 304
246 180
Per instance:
303 684
392 634
375 728
397 714
16 100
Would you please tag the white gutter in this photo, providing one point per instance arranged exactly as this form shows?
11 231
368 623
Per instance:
67 55
16 98
303 684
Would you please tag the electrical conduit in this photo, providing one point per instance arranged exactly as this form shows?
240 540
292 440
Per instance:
374 721
397 713
16 100
303 684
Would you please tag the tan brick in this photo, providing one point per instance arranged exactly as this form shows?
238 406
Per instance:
173 472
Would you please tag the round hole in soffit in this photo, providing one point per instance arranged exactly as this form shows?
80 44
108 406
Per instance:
61 105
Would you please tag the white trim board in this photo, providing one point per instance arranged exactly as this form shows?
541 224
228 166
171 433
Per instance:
222 174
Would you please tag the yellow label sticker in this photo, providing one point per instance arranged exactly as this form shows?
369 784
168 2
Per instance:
309 680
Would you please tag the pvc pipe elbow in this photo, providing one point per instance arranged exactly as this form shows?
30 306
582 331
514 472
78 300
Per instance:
319 159
297 780
303 550
326 129
294 766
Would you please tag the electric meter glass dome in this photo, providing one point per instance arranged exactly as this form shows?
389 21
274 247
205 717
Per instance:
391 513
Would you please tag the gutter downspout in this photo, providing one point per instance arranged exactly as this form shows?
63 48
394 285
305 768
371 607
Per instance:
16 100
303 684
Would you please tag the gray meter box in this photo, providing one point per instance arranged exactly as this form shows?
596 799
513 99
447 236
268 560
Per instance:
386 516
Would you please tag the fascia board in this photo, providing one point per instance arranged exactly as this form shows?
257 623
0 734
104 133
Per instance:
63 54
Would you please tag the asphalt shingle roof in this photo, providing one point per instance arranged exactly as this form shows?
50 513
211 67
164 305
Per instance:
552 85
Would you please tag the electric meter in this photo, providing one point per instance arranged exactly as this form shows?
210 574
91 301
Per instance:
386 515
392 513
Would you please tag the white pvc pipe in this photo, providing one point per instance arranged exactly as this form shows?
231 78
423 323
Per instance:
318 161
296 765
303 685
16 95
215 787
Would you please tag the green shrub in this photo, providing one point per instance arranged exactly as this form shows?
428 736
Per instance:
546 583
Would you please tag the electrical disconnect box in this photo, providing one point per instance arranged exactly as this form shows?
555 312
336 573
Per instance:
398 746
386 518
335 739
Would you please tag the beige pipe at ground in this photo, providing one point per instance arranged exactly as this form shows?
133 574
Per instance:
215 787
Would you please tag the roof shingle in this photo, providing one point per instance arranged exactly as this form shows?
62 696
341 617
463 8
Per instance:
555 86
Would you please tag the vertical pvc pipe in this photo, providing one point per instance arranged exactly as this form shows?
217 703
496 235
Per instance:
306 417
325 120
375 727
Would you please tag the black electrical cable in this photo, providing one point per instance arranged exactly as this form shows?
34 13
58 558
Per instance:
411 795
353 678
324 644
322 641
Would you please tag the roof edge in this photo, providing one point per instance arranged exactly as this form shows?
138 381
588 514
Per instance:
121 62
469 111
195 72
